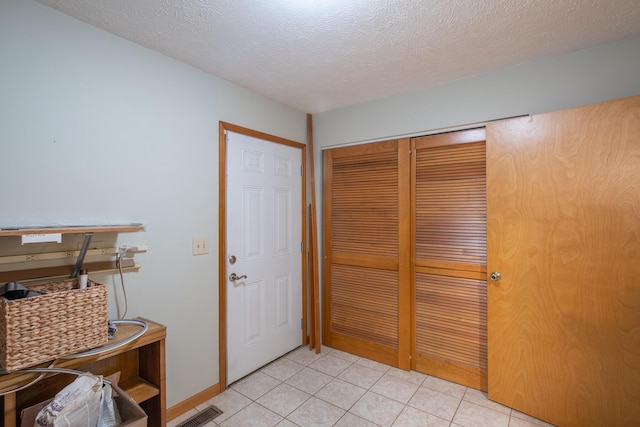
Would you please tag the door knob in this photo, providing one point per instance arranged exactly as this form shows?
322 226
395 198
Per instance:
495 276
233 277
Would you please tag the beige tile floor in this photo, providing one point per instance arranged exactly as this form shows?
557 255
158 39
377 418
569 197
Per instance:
335 388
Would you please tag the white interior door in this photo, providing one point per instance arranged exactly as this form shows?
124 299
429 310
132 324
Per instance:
264 243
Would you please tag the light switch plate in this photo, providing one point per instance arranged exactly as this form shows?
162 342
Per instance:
199 246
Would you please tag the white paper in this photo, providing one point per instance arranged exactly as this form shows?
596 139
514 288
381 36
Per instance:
41 238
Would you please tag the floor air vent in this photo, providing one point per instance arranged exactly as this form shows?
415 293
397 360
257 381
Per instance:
202 417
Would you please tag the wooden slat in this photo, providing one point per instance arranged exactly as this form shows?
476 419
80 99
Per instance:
313 338
451 319
363 260
363 150
314 282
364 197
405 256
450 138
450 205
469 271
379 353
328 336
455 372
365 304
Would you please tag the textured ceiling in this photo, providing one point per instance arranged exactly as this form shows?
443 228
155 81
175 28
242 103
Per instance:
318 55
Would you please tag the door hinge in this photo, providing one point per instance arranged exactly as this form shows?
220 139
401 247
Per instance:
301 247
301 170
301 323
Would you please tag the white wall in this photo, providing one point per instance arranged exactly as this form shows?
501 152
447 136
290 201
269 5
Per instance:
96 129
591 75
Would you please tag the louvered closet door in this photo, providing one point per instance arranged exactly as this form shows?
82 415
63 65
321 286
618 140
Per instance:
366 264
449 216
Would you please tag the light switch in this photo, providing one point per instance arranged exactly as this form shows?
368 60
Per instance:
199 246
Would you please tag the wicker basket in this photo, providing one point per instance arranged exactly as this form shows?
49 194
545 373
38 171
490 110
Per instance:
62 321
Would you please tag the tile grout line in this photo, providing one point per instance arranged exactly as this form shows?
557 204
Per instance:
369 389
310 395
350 363
457 408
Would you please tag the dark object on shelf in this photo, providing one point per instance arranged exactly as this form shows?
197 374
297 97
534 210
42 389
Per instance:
112 329
14 290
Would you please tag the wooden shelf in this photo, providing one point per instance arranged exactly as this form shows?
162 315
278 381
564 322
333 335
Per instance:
139 389
141 364
61 271
70 229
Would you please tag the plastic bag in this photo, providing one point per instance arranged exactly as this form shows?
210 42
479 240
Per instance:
108 416
86 402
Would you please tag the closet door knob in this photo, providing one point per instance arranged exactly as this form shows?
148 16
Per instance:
495 276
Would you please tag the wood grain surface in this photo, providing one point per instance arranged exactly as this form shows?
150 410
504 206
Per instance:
564 231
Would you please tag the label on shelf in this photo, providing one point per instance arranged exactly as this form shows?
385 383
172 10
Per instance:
41 238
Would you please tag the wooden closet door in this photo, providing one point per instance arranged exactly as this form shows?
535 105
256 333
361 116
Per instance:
564 232
449 273
366 261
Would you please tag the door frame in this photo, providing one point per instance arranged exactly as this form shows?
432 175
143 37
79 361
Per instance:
223 127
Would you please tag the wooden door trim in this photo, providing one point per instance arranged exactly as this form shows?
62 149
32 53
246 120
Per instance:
327 250
223 127
405 306
454 372
373 261
452 265
367 349
450 138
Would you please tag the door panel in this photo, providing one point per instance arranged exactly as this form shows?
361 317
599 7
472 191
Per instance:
365 304
451 327
283 292
564 231
252 211
254 312
264 233
449 272
366 261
